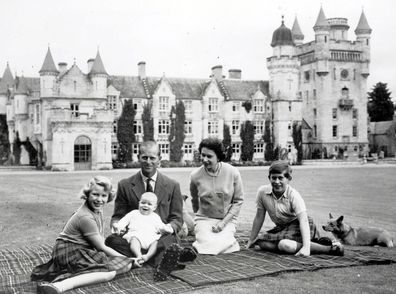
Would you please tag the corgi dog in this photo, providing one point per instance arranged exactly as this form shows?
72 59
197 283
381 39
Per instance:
188 222
363 236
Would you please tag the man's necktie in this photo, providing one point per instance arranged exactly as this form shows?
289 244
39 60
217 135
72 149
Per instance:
149 188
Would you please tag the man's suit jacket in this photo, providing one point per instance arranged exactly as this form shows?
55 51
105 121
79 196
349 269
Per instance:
170 201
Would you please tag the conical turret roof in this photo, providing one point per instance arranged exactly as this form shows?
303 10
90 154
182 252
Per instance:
97 66
296 30
48 64
282 36
7 81
22 88
321 21
363 26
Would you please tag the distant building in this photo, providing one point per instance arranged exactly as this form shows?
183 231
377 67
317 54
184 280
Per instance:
382 137
70 117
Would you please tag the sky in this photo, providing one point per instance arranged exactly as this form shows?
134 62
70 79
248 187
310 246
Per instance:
179 38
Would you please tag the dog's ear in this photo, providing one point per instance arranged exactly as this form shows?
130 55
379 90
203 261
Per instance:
340 219
330 216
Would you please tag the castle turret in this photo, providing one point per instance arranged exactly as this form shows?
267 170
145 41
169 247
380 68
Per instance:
6 85
283 71
98 77
363 34
322 36
298 36
21 108
48 74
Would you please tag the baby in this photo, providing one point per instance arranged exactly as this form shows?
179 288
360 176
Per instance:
143 228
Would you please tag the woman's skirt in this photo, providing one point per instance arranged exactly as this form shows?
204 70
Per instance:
208 242
70 259
290 231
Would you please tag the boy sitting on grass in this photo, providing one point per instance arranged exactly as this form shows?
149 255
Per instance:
143 228
295 232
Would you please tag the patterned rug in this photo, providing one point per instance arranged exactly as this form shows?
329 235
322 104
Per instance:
16 265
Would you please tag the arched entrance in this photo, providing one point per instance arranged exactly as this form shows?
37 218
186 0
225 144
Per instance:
82 153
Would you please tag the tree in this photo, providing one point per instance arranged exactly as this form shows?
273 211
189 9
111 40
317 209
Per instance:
4 144
297 140
16 149
380 106
269 145
125 132
176 136
148 123
247 136
227 142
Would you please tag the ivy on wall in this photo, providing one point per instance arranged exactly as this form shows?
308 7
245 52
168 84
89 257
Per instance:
247 136
268 140
176 136
148 122
125 132
297 140
4 144
16 149
227 142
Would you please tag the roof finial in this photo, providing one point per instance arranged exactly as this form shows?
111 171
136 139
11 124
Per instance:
283 21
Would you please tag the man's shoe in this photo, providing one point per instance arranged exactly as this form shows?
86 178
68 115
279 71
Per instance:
337 249
169 263
188 254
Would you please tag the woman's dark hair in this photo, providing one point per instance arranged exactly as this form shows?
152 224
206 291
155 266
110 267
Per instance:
215 145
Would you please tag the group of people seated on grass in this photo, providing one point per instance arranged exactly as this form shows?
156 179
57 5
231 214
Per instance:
148 216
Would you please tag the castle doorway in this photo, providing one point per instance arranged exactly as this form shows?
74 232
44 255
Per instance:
82 153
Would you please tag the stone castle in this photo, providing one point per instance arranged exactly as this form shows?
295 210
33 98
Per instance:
70 116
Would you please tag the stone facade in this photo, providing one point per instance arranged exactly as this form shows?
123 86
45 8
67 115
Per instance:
70 116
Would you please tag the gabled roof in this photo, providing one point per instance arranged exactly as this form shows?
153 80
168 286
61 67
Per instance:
130 87
244 90
321 21
363 26
188 88
296 30
98 67
7 80
22 88
48 64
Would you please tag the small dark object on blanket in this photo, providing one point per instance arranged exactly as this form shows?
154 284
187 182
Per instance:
362 236
169 263
47 288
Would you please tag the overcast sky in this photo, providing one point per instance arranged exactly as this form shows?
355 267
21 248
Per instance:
179 38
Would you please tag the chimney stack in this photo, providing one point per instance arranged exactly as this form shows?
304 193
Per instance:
90 62
217 72
234 74
62 67
142 70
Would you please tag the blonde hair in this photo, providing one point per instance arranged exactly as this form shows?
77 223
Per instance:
151 195
98 181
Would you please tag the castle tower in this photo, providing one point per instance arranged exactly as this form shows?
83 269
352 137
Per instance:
298 36
6 84
322 40
48 74
21 108
98 77
363 33
283 69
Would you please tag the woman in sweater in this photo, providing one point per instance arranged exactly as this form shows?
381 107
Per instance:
217 196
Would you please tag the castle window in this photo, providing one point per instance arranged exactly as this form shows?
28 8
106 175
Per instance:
334 131
258 105
213 105
314 112
236 148
75 86
188 148
345 92
164 148
74 109
290 107
306 76
325 39
137 127
114 149
236 106
235 127
163 103
315 131
259 148
115 124
314 93
187 105
112 102
354 131
135 148
188 127
163 127
213 127
354 113
258 127
289 128
334 113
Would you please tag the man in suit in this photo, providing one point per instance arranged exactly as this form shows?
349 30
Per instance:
169 208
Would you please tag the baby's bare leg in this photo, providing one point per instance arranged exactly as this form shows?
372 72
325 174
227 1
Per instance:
151 251
136 247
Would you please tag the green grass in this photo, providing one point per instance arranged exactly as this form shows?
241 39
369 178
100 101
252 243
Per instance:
35 205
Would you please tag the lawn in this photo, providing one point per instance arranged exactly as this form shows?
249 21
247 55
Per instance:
35 205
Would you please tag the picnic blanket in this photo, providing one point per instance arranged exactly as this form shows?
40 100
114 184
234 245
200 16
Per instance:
16 266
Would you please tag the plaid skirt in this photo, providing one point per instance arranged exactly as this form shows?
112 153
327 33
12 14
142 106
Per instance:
290 231
70 259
